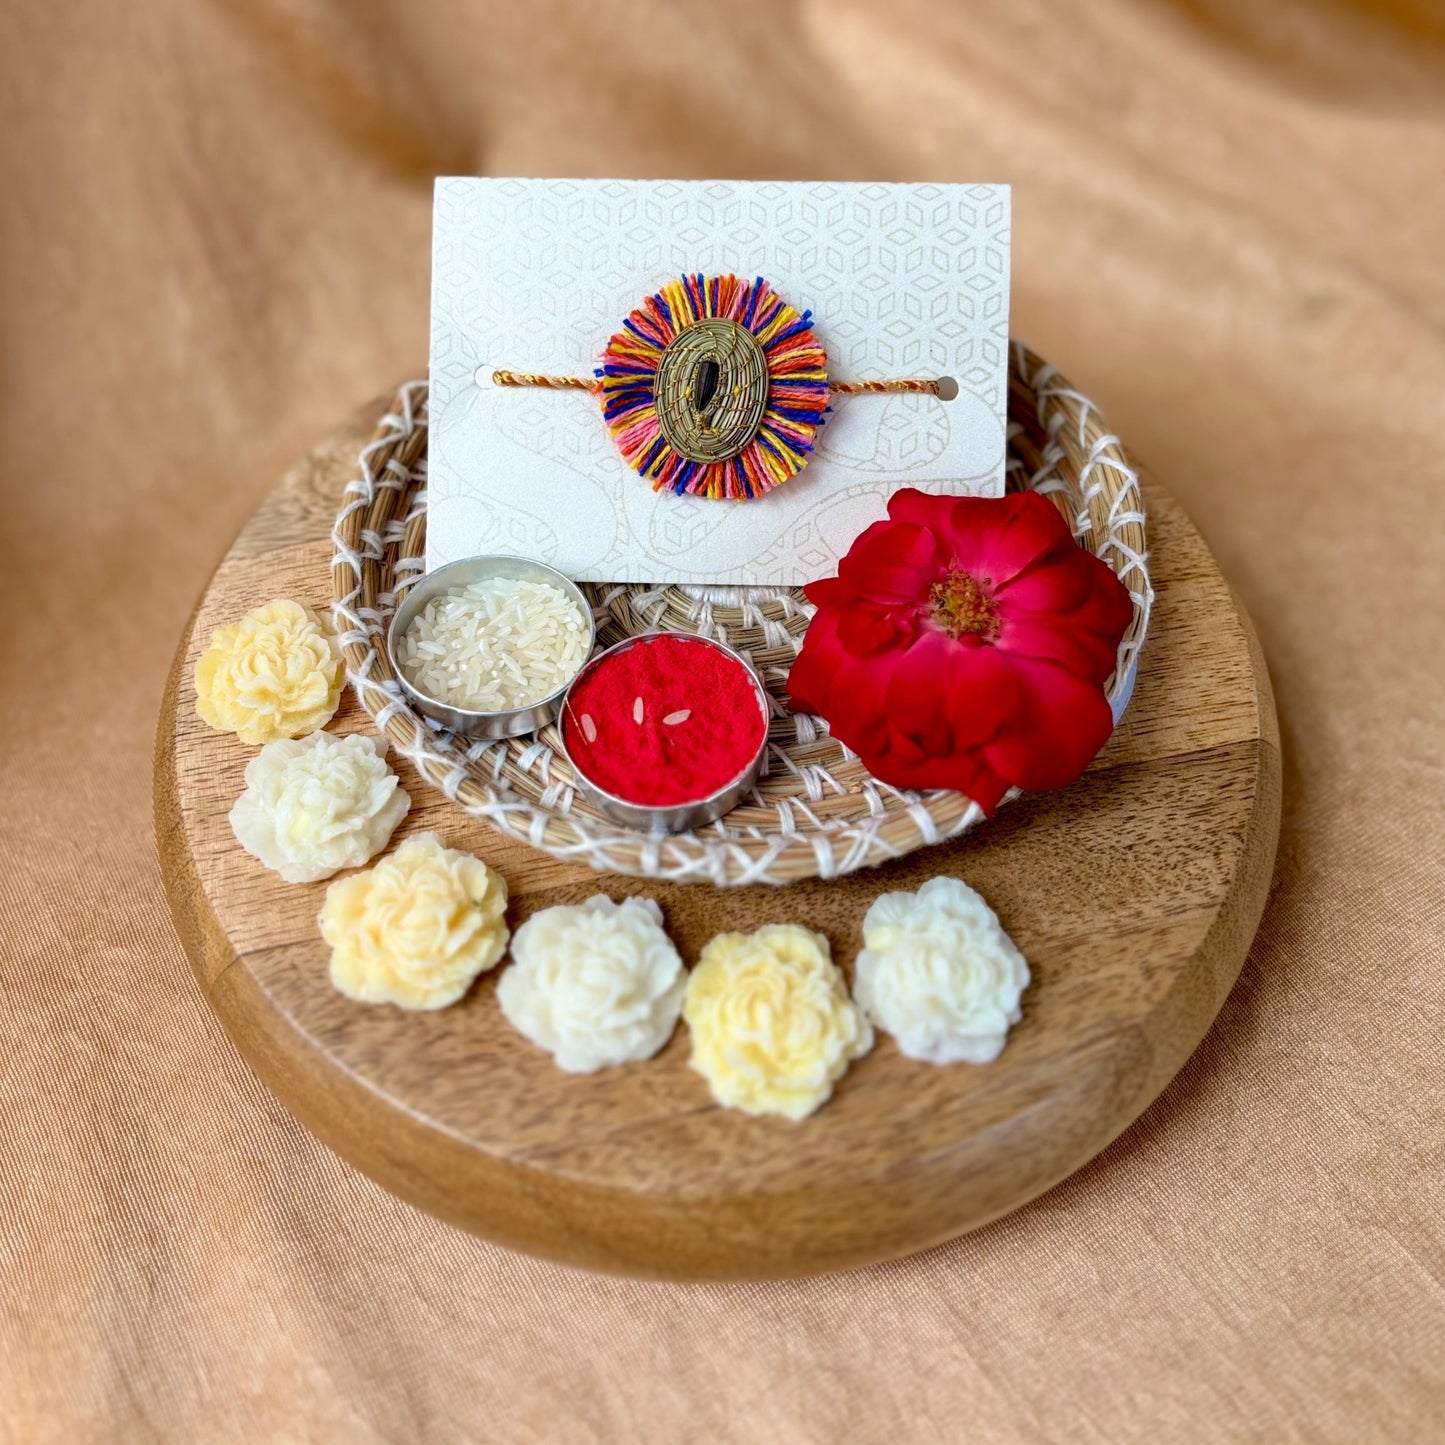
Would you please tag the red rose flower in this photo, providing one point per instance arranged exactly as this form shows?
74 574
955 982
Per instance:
965 643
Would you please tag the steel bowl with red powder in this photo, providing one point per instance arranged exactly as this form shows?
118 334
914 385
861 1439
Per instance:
665 731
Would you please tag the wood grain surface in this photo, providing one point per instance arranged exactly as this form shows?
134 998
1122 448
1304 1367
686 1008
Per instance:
1134 895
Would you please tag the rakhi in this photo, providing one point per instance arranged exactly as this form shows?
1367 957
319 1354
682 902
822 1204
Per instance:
716 387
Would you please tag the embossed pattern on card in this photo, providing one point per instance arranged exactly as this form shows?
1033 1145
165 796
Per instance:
536 275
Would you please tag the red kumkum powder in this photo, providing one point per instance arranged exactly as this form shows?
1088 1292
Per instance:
665 722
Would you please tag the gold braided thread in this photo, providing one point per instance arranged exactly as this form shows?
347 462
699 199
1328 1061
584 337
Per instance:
917 385
533 378
854 388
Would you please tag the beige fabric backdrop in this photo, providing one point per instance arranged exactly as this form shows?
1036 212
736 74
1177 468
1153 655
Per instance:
213 244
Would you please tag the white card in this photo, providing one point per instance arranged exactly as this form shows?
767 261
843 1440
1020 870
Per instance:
903 281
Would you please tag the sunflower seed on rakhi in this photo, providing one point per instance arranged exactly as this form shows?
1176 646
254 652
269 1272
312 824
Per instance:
704 382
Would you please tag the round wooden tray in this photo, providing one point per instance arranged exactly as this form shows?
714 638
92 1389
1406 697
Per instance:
1134 895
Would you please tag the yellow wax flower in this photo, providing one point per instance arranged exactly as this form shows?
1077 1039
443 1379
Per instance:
773 1027
274 674
417 928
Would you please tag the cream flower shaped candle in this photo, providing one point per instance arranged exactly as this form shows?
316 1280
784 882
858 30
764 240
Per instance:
594 985
314 807
773 1028
274 674
939 973
416 929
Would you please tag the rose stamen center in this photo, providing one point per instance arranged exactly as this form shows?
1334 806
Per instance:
960 605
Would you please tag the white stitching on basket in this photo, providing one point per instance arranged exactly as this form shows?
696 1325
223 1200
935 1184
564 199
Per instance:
539 811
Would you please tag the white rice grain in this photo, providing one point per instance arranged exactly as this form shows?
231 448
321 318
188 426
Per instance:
496 645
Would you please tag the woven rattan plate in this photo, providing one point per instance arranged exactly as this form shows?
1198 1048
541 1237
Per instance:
817 812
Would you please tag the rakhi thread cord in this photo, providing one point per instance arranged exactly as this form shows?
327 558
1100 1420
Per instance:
714 387
919 386
797 387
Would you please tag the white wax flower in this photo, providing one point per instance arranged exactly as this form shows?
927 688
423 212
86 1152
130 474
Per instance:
939 973
315 806
596 984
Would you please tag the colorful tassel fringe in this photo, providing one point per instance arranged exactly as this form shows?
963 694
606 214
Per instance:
797 387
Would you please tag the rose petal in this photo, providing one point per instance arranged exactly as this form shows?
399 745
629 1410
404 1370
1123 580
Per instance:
865 630
1068 607
858 684
810 677
1065 578
1053 582
991 538
917 695
1052 639
892 562
827 680
902 764
1061 723
832 592
983 696
944 700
